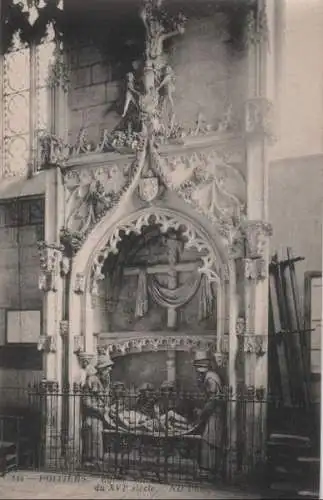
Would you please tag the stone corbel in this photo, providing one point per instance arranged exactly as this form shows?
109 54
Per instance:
47 343
255 269
79 285
258 117
79 344
254 344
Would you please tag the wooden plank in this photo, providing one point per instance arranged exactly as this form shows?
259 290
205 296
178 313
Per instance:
280 344
293 353
295 323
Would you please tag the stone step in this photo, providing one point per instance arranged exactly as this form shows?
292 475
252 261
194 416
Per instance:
309 460
282 437
308 494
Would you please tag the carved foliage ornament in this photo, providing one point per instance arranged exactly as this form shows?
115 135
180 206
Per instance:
159 343
90 193
165 221
207 181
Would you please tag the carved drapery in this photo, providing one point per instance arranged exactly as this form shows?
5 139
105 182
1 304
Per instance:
207 180
178 297
165 220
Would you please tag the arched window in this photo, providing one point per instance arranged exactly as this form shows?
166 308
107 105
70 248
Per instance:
25 73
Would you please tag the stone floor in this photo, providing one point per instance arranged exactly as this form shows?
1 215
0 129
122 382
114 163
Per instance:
25 485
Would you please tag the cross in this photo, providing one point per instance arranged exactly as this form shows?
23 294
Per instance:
171 269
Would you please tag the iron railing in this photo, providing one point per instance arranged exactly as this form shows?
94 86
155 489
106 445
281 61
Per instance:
163 435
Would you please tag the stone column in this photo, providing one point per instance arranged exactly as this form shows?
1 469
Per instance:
50 283
256 230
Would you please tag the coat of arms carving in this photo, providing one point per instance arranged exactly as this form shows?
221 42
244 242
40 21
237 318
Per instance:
148 188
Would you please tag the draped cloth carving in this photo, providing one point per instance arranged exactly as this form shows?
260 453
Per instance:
178 297
142 295
206 299
174 298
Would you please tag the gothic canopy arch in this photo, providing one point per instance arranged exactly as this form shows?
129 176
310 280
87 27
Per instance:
195 237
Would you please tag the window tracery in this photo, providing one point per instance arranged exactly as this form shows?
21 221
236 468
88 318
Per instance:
26 67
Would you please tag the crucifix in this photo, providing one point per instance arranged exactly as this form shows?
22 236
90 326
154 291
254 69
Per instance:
171 270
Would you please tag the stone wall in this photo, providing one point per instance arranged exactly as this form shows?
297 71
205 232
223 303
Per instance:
19 268
295 210
209 75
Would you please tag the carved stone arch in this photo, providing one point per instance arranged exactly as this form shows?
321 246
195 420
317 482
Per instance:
216 264
195 237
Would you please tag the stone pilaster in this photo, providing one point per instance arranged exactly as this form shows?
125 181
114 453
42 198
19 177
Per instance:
258 134
51 432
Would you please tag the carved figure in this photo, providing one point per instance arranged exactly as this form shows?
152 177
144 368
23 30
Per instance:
131 94
211 417
155 32
168 86
95 401
152 414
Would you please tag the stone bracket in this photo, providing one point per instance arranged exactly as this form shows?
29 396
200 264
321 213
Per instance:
47 343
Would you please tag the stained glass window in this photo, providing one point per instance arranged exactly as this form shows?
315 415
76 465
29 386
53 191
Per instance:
25 98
